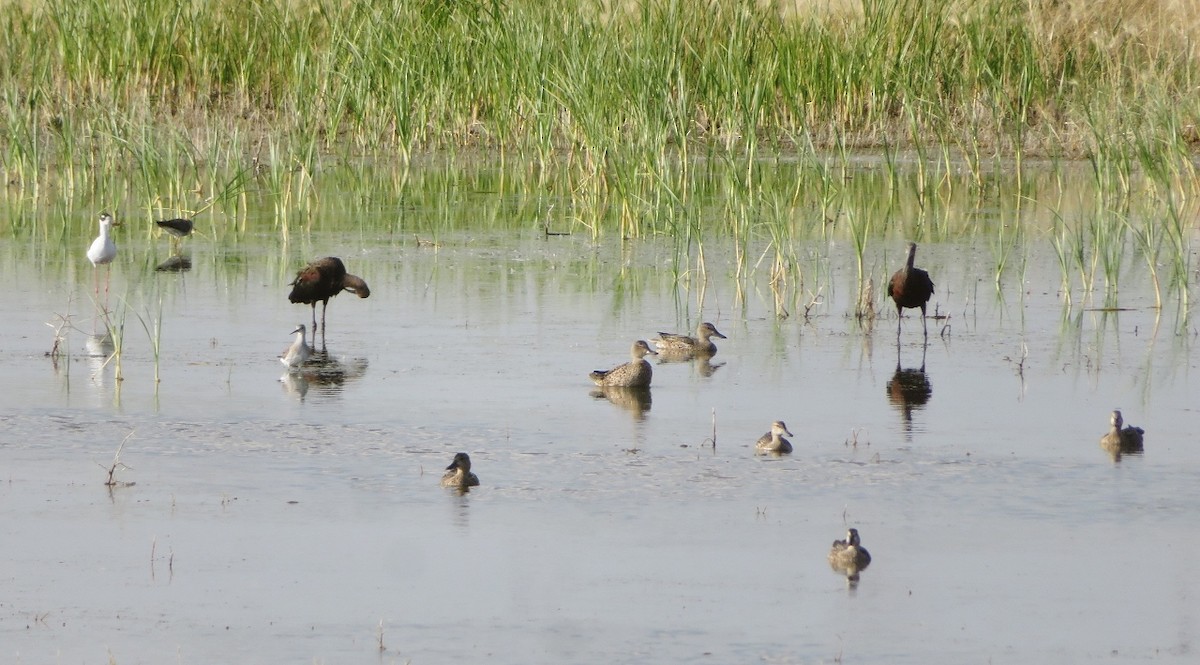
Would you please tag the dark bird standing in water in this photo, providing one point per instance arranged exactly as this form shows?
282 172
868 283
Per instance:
321 280
177 227
910 287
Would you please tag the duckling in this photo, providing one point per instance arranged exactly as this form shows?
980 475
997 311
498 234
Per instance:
700 345
634 374
458 474
849 556
1128 440
299 352
773 441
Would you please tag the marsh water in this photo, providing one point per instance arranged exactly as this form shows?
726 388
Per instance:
265 517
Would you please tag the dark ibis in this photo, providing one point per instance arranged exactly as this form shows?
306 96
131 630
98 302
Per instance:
910 287
321 280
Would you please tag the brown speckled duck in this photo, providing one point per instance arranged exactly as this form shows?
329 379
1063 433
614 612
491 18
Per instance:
773 441
634 374
700 345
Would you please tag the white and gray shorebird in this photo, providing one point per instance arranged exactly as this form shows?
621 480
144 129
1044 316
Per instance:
299 352
102 250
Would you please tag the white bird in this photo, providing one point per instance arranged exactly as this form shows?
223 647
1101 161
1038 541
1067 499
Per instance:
299 352
103 250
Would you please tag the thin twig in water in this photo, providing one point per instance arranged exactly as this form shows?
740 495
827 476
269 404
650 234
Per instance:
712 441
813 302
1020 364
118 464
853 440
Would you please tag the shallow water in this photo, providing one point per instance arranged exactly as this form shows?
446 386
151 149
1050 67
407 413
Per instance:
301 519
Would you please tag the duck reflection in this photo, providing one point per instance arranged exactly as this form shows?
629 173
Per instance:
176 263
324 373
1121 441
909 389
634 400
701 362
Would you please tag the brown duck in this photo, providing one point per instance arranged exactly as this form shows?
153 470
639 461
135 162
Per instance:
634 374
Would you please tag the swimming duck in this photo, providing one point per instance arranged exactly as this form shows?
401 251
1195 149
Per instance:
701 344
299 352
458 474
773 441
849 556
633 374
1127 440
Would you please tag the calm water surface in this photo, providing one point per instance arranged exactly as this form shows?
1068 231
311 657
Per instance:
301 520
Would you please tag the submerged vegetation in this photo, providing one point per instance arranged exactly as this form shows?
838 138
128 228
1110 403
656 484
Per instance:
610 117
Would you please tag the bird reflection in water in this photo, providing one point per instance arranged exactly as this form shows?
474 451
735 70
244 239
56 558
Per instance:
177 229
323 373
176 263
702 363
634 400
909 389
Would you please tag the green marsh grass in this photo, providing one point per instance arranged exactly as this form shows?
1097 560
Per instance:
175 88
738 126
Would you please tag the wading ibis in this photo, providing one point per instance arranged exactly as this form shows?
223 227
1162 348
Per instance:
910 287
321 280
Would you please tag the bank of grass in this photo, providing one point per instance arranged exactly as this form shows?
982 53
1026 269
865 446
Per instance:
623 115
220 81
